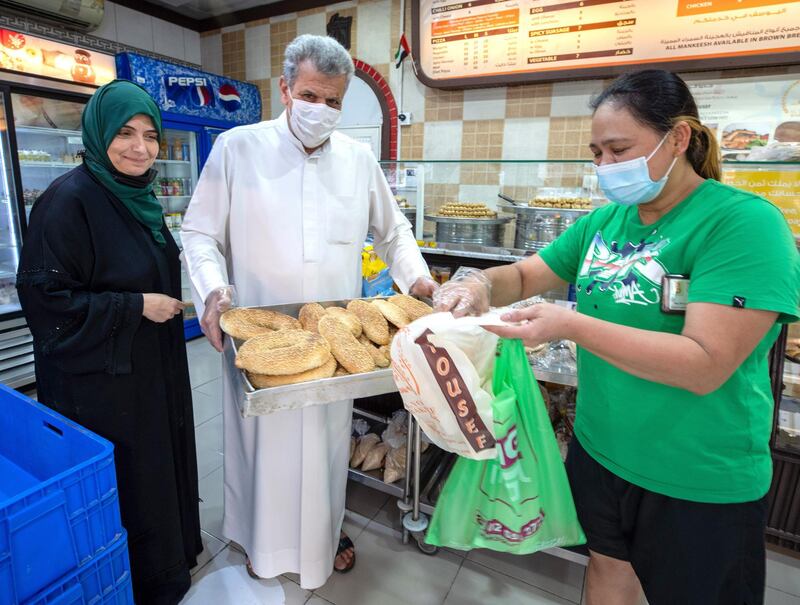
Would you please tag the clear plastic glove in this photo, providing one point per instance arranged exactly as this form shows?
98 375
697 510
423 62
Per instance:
468 292
424 287
219 301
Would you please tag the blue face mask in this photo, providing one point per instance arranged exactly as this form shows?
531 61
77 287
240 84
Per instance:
629 183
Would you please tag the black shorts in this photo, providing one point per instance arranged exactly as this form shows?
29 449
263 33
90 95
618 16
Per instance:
684 553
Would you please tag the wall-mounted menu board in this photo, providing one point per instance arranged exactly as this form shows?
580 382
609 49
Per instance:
495 42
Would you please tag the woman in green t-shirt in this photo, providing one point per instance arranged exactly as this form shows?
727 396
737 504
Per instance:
670 463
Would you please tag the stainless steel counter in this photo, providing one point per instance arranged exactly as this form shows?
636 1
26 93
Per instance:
475 251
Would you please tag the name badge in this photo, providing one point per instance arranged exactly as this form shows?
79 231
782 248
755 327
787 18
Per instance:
674 293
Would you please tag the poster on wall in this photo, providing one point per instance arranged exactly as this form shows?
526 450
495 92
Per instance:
779 186
485 42
40 57
757 120
754 118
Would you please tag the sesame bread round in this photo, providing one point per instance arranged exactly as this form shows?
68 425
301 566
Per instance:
283 353
379 357
394 314
351 320
350 353
244 323
372 320
309 316
414 308
263 381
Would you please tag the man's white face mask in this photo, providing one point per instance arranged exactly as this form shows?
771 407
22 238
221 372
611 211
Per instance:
313 123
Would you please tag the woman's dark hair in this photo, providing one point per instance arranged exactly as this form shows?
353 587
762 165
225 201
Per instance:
659 100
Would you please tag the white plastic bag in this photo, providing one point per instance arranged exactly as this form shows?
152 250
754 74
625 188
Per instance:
443 370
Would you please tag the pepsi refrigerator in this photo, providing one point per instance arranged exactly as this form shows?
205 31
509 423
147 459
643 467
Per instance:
196 107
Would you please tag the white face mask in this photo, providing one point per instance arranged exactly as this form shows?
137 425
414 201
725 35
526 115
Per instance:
313 123
628 183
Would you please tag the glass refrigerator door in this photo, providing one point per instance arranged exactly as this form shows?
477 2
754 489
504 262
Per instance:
213 133
48 139
177 177
10 240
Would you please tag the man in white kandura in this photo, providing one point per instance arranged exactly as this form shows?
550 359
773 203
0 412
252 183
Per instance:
281 212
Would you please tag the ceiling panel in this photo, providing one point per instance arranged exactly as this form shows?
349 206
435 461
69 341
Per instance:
203 9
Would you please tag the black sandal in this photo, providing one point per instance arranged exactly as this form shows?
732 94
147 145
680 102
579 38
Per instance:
344 544
250 571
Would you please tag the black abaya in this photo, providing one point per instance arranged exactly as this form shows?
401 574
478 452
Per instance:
84 266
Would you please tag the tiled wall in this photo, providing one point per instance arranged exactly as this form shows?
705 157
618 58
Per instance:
122 29
149 33
537 121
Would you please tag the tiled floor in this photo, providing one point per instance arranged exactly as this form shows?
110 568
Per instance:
387 572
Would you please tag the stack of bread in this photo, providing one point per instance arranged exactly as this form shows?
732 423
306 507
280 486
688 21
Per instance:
466 210
321 342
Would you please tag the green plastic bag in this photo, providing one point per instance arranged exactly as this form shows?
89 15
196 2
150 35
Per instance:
520 502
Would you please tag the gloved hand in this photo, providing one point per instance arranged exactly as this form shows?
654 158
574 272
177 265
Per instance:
423 286
219 301
468 292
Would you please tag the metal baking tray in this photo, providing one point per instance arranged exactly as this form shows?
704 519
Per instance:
511 209
259 402
500 220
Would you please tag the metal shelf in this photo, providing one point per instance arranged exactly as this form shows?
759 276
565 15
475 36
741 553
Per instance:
26 164
47 131
563 378
173 161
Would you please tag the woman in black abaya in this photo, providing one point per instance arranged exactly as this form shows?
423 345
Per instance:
99 283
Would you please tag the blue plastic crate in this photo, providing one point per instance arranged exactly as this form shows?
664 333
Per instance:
58 497
104 580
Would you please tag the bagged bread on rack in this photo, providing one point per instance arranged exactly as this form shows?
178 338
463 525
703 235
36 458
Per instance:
443 369
395 465
374 458
365 444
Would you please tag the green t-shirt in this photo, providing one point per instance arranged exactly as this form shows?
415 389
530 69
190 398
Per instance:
737 250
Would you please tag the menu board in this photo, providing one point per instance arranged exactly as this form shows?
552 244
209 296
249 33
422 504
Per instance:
496 41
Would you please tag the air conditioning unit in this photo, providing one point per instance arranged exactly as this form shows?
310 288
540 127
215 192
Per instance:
83 15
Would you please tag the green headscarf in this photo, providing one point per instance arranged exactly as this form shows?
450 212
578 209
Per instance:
107 112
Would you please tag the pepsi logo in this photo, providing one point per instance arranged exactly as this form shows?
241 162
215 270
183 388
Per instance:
229 97
201 96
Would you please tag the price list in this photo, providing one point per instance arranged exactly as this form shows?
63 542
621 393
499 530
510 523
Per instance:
484 38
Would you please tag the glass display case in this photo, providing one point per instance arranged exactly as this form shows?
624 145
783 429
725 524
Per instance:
48 137
177 167
10 237
509 205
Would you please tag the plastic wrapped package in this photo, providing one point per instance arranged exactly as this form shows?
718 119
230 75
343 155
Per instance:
558 356
374 458
395 465
360 427
396 432
365 444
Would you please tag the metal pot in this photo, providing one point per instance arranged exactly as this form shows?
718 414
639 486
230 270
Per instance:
548 229
478 231
411 215
537 227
